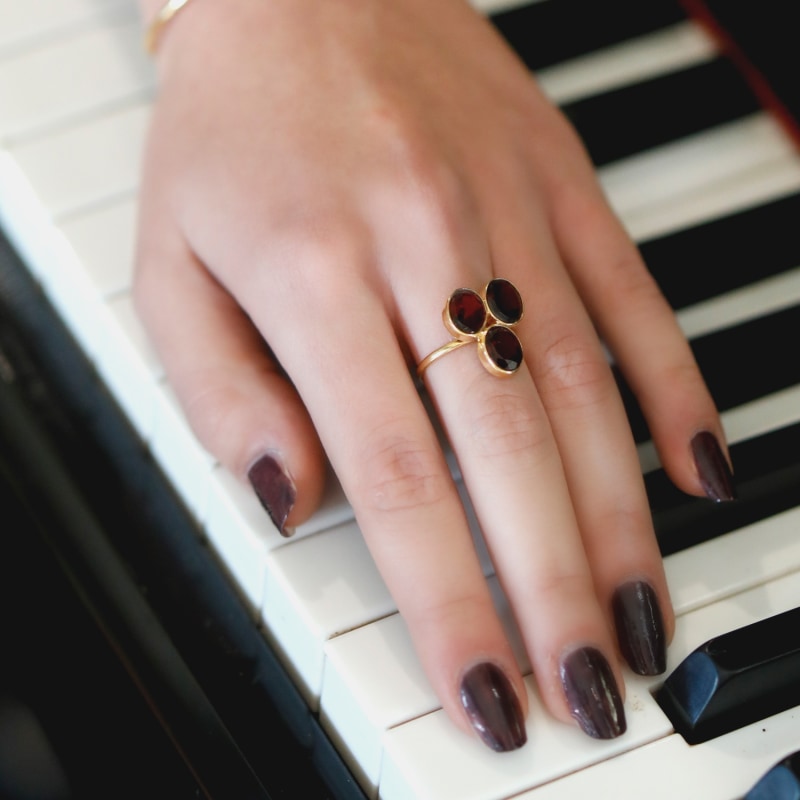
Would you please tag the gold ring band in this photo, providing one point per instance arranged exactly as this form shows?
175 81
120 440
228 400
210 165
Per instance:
156 27
453 344
485 319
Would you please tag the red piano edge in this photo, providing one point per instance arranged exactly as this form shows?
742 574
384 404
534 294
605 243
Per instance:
760 82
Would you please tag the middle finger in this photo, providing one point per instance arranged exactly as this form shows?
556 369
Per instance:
602 468
510 460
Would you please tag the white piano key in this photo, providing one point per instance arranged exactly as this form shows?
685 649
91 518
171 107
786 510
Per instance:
776 178
186 463
104 241
129 365
102 67
38 22
242 533
373 681
768 181
759 600
721 769
85 165
744 422
111 336
430 759
726 566
317 588
762 415
495 6
748 302
26 223
334 508
677 47
664 175
73 294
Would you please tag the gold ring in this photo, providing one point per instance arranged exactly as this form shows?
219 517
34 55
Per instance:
485 319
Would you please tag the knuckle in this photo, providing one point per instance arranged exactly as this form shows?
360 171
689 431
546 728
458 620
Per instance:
565 586
400 472
325 264
466 609
211 406
629 516
631 286
572 373
323 250
505 424
630 273
425 182
681 378
404 140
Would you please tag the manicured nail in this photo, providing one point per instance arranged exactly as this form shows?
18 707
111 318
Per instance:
275 489
640 628
716 477
592 693
493 707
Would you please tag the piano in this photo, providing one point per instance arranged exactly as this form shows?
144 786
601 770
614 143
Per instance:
256 654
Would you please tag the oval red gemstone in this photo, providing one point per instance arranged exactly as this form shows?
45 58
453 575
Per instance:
467 311
504 301
503 348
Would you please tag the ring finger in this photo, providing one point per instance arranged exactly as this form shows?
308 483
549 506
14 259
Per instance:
514 472
601 464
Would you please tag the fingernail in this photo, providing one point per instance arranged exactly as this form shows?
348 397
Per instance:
592 693
715 475
493 707
274 489
640 628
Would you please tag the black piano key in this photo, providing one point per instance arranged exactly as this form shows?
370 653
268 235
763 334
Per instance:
767 470
639 116
701 262
740 363
767 35
550 31
781 782
735 679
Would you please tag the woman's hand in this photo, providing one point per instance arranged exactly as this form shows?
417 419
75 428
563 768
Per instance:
319 179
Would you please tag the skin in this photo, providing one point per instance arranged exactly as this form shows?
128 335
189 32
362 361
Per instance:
320 177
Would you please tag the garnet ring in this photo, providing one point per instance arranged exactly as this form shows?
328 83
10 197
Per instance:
485 319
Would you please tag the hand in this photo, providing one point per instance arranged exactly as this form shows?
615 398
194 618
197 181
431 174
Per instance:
319 179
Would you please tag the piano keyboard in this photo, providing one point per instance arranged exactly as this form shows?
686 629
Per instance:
75 94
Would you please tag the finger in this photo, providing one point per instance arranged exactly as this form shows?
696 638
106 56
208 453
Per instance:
643 334
512 467
600 461
357 387
593 438
237 401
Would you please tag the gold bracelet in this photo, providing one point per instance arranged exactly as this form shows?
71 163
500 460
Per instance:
156 27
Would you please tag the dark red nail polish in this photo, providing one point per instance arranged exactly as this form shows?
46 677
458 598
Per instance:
493 707
715 475
640 628
274 489
592 694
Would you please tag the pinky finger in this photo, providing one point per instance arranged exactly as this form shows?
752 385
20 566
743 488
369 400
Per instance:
237 400
642 331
